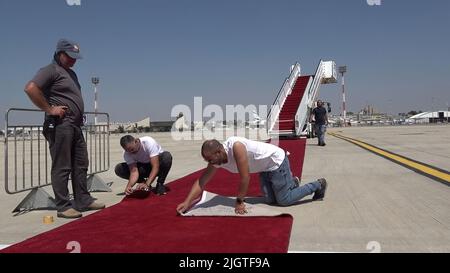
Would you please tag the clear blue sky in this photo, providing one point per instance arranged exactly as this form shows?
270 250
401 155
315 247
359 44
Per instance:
152 55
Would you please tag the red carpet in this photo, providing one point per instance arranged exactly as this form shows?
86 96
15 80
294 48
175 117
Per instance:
151 225
286 119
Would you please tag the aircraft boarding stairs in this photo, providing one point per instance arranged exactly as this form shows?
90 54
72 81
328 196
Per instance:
288 116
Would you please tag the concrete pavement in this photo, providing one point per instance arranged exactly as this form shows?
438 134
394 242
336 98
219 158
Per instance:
369 199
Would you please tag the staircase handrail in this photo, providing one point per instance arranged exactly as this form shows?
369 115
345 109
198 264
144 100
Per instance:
302 112
302 116
285 90
312 92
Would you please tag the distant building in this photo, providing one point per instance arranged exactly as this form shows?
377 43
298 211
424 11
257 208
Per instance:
129 126
145 125
430 117
161 126
25 132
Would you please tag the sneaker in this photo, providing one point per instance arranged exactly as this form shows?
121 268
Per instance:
95 206
69 214
320 193
160 189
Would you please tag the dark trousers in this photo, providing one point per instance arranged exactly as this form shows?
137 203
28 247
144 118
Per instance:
165 163
68 151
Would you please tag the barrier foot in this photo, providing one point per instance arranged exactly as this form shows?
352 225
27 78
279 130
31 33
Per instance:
36 199
96 184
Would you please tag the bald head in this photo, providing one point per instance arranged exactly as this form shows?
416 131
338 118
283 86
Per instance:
210 146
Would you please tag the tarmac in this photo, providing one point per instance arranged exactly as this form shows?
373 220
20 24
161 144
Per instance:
372 204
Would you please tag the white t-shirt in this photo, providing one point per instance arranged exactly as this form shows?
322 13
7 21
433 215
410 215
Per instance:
262 157
148 148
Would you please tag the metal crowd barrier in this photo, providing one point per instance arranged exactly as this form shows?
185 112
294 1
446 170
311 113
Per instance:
28 162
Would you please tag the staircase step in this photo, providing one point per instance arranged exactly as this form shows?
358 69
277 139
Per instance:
286 119
282 133
287 115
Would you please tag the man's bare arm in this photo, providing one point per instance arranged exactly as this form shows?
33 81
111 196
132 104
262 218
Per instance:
134 176
154 161
240 154
37 97
197 188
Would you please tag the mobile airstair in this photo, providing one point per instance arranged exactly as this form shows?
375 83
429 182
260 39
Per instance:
288 115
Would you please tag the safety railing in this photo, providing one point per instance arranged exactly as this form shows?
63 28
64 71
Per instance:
97 140
26 156
285 90
302 113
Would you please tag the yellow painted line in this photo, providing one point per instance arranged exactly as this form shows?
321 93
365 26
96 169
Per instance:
421 167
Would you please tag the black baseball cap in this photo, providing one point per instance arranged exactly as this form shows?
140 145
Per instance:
71 48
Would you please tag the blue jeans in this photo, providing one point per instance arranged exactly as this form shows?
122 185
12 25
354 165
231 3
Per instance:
279 186
320 131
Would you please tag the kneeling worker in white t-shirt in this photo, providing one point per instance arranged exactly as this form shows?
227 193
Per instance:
244 156
144 161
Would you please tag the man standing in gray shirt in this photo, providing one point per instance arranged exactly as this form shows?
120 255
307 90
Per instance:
55 89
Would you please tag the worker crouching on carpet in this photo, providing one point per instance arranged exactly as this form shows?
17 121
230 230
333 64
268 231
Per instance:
144 161
244 156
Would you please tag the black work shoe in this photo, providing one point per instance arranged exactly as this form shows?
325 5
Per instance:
320 193
160 189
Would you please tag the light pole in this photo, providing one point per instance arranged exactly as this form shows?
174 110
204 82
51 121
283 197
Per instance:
342 70
95 81
390 111
432 110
